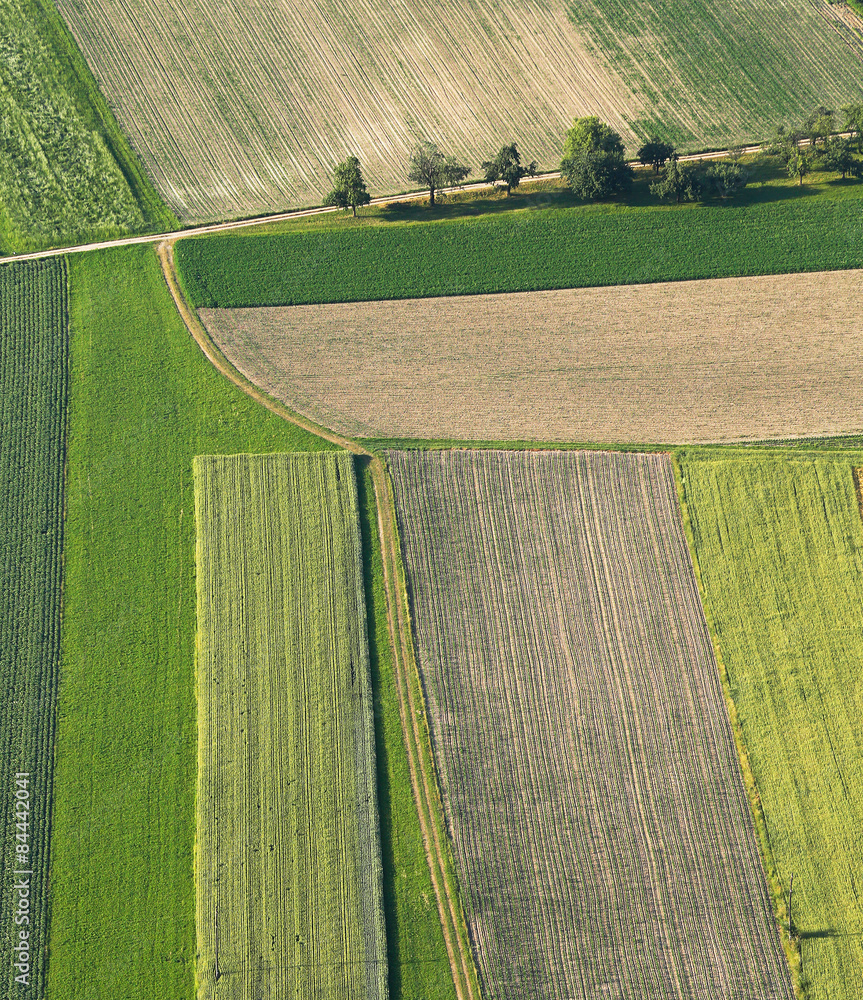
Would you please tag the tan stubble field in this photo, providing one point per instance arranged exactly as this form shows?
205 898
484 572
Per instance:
700 361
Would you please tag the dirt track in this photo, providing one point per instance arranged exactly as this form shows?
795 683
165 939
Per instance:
398 619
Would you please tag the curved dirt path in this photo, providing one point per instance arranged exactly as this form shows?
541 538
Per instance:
411 708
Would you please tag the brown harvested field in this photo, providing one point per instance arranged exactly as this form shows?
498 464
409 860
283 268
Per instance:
241 109
700 361
601 832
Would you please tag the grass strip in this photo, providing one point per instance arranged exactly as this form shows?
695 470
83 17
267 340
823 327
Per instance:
143 402
530 249
34 375
418 965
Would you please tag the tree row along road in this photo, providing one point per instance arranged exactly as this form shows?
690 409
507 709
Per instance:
224 227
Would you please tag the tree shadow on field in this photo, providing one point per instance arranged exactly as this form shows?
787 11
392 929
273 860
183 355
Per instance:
368 534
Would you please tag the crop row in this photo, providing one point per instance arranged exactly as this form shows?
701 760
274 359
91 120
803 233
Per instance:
779 542
721 73
244 111
601 831
288 865
524 251
33 392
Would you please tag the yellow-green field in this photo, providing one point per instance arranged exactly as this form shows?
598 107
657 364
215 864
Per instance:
779 542
288 864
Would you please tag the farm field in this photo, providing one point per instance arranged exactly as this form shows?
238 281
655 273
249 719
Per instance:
67 173
533 249
779 543
749 358
288 861
602 834
34 332
708 73
236 113
143 403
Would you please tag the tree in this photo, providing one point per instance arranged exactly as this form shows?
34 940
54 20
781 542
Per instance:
818 125
798 165
654 153
854 123
506 167
593 162
727 178
431 168
678 181
349 189
837 155
783 144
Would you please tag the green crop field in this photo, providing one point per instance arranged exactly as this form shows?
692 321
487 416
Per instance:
143 402
779 542
34 327
602 836
542 248
67 174
288 862
714 73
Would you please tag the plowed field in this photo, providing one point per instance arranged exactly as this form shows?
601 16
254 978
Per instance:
716 360
592 788
288 864
240 110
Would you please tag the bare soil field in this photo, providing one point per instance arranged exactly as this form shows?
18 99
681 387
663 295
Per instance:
239 110
601 831
700 361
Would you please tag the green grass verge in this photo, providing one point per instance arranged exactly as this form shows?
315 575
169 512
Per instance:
143 402
33 393
546 242
418 963
778 540
68 174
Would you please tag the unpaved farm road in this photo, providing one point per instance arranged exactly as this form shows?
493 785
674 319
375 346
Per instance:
224 227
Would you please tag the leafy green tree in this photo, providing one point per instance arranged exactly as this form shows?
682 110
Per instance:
349 190
782 144
854 123
434 170
819 125
678 181
837 155
799 164
593 162
726 178
506 167
654 153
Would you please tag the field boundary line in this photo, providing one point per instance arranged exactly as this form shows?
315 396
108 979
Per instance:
420 761
790 946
